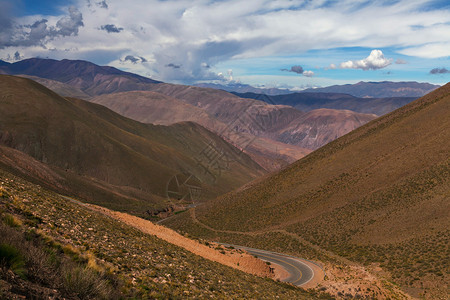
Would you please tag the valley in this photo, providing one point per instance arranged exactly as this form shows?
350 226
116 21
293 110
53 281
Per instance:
163 190
225 150
377 197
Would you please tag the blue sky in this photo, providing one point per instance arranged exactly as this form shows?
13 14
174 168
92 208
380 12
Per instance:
285 43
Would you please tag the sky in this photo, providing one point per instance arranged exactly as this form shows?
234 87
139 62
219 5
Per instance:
286 43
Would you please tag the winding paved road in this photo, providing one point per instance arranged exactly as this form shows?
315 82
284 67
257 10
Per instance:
300 272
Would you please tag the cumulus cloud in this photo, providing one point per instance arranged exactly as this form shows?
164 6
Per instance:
172 65
331 67
102 4
374 61
17 56
400 61
295 69
69 25
38 33
308 73
14 57
299 70
111 28
134 59
207 33
439 71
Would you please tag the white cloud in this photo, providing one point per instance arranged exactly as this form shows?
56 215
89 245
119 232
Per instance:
308 73
433 50
39 32
199 34
374 61
331 67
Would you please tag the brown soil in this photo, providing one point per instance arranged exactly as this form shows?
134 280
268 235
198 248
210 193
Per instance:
318 275
280 273
233 258
356 282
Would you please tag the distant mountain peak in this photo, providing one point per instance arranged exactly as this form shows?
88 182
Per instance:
380 89
80 74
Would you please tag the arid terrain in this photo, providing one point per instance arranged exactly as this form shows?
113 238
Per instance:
375 199
366 211
225 149
99 253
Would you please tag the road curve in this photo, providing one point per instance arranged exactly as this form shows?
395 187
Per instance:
299 272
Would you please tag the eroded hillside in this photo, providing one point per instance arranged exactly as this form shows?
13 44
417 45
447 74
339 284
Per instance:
377 196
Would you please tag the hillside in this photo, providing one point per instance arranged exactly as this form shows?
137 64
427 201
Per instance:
242 125
280 134
377 196
51 247
243 88
83 75
320 126
105 158
383 89
251 126
306 101
62 89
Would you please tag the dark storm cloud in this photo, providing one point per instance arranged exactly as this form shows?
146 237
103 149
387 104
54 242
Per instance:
134 59
439 71
102 4
131 58
294 69
111 28
171 65
6 23
69 25
39 32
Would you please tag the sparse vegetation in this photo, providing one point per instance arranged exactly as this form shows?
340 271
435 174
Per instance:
377 196
90 254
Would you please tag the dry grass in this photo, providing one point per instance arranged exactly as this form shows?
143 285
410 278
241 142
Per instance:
140 265
377 196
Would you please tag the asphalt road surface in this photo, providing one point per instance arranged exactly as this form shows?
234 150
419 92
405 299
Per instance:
300 272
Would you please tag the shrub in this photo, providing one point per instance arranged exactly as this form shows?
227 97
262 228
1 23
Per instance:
3 193
13 259
11 221
85 283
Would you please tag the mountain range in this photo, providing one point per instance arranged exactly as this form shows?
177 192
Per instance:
309 101
235 87
383 89
85 76
256 121
369 205
378 196
87 150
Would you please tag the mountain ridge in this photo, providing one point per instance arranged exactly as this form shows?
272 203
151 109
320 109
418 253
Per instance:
380 89
89 77
107 154
306 101
377 196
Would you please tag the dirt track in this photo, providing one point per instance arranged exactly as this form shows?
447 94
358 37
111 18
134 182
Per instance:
232 258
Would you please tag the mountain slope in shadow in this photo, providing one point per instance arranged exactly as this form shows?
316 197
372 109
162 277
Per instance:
103 157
